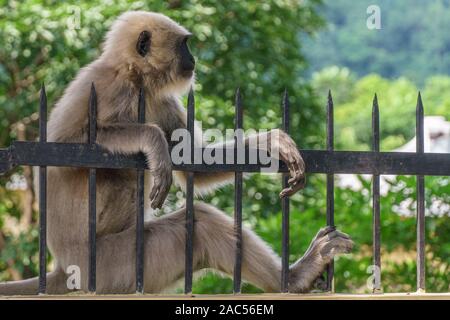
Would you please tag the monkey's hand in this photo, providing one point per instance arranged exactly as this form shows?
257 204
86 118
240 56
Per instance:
162 180
289 154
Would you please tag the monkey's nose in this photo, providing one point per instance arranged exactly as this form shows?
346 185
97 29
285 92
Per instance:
188 64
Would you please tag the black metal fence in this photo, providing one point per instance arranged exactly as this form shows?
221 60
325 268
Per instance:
328 162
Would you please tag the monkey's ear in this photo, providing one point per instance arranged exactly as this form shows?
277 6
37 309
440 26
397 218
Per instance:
143 43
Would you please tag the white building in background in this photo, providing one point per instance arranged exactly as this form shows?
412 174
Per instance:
436 140
436 135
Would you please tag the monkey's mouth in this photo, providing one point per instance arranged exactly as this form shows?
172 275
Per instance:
187 73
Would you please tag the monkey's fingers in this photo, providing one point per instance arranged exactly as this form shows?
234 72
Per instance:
286 192
298 170
153 195
154 192
293 188
291 169
297 177
163 193
298 163
160 191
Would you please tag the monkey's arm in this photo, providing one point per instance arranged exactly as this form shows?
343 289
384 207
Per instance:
148 139
276 142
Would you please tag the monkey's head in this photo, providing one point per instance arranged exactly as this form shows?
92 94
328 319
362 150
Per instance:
153 49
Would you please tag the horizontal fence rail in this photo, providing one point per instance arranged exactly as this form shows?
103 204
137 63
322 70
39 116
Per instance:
92 157
317 161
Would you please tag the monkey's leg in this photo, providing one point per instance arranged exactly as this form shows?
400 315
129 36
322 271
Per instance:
214 247
56 284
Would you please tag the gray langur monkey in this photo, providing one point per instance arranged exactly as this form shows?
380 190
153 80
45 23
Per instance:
149 50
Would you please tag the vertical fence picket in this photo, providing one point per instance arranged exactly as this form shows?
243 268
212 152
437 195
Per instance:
238 195
376 226
42 196
285 207
140 208
189 250
92 136
330 183
420 199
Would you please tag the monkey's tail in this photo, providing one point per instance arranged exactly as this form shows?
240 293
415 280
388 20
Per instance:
21 287
55 285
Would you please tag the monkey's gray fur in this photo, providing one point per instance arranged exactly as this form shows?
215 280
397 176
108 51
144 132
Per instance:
149 50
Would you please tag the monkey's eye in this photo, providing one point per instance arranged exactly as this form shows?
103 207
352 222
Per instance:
143 43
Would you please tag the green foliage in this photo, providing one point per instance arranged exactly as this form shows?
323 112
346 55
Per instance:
22 252
412 42
397 101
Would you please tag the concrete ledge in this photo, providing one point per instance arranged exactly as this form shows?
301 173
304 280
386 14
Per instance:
319 296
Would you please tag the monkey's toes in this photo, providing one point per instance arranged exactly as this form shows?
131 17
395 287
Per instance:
320 284
324 231
336 245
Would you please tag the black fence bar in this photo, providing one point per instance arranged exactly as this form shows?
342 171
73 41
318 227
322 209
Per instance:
92 137
189 252
317 161
43 197
420 200
140 208
376 225
238 139
285 207
330 183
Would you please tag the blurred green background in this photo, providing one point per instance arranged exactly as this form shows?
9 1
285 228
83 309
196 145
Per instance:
307 47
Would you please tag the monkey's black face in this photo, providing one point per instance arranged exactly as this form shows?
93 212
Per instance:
187 61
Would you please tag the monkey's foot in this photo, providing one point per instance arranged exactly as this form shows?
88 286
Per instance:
326 244
320 284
